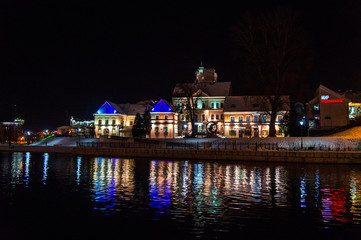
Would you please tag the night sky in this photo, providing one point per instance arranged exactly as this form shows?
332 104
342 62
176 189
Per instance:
66 58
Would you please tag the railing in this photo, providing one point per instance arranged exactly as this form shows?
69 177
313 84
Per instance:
220 145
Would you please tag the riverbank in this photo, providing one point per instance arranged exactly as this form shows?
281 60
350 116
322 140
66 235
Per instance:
259 155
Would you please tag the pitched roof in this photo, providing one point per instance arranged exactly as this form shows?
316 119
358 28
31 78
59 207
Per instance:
210 89
251 103
125 109
163 106
133 109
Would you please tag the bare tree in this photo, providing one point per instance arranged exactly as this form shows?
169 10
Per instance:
276 56
190 94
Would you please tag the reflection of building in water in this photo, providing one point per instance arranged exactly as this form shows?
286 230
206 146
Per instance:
334 204
113 180
17 166
20 168
45 167
78 170
355 195
280 186
204 186
303 193
163 183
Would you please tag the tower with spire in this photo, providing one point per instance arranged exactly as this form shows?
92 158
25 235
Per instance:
205 75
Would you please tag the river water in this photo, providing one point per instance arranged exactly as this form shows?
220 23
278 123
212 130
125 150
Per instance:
53 196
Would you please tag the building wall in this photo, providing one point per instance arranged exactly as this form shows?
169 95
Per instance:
333 114
209 109
164 125
328 109
113 125
246 124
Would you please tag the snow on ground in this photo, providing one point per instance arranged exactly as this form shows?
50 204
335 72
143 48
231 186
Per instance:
347 140
63 141
354 132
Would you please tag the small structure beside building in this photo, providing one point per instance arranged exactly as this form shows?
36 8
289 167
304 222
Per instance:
327 110
354 106
81 127
164 118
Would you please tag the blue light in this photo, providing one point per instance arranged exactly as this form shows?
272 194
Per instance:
161 106
106 109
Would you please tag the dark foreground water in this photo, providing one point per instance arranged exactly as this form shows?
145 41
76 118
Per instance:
46 196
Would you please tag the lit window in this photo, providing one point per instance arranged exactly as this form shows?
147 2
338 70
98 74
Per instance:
352 110
232 119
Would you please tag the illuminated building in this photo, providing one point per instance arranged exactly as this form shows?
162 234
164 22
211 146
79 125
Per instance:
11 131
354 106
81 127
164 118
207 97
248 116
327 110
113 119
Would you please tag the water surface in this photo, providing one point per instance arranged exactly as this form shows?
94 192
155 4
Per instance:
68 197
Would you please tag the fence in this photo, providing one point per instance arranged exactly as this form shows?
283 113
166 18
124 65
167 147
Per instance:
223 144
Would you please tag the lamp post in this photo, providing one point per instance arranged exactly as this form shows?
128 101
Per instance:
301 124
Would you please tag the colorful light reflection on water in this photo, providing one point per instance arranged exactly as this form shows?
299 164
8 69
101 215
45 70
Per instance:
202 198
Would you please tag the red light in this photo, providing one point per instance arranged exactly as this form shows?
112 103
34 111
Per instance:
332 101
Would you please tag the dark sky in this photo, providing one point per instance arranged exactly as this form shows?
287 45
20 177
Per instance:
66 58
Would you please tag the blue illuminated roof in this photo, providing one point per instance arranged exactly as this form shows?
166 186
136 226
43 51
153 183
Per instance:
163 106
109 108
